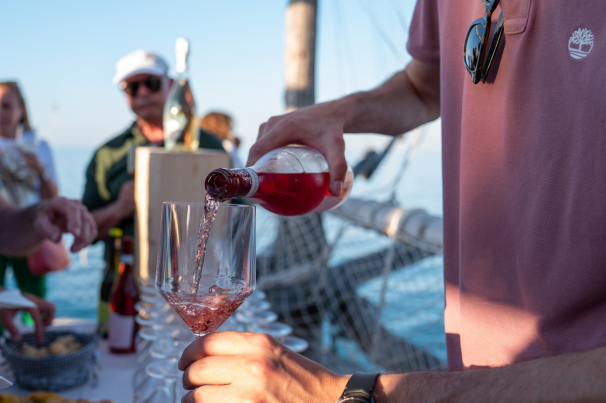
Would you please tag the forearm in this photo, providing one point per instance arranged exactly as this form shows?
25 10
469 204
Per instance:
107 217
577 377
48 190
407 100
17 237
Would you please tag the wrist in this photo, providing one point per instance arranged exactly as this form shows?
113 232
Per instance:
390 388
43 175
360 388
338 386
32 216
120 211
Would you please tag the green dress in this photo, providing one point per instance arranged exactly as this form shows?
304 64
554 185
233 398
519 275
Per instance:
26 281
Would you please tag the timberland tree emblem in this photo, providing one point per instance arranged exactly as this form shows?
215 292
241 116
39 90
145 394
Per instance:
580 43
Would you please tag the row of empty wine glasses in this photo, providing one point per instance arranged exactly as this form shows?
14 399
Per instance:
162 339
255 316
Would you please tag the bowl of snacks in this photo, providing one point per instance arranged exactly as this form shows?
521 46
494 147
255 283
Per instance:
42 396
63 361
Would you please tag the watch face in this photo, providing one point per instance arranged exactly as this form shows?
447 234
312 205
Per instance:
353 399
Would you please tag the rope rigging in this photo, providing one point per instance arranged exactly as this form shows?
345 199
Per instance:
382 33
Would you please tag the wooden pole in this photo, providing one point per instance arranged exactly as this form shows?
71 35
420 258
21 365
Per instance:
299 239
300 62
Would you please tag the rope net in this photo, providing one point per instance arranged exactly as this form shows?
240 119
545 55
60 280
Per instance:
361 299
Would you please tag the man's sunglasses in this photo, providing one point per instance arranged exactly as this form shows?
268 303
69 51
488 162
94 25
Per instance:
476 60
152 83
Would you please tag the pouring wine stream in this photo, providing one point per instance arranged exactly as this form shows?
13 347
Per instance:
289 180
211 205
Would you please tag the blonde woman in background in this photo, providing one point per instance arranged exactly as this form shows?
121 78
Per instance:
27 174
221 125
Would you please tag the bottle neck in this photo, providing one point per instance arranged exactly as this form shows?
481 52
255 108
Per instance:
226 184
116 252
181 66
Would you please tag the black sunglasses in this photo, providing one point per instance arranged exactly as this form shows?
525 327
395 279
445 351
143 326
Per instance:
476 61
152 83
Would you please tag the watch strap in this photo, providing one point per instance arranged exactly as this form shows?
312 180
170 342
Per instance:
361 384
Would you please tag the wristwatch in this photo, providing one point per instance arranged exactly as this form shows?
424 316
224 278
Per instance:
359 388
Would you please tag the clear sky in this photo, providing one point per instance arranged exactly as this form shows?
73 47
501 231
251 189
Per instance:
63 54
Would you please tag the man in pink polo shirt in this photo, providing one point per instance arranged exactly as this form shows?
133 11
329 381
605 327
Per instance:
524 171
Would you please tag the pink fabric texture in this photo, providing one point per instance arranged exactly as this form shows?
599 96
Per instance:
524 170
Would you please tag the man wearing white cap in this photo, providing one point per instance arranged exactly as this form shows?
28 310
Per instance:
109 190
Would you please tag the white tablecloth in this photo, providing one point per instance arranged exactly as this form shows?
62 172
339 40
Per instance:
114 382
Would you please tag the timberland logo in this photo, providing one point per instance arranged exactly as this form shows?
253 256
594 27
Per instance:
580 43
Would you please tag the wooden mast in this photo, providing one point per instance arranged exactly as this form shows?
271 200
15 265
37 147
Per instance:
300 239
300 52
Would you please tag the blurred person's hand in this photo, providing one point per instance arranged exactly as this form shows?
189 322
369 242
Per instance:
33 162
254 367
42 316
53 217
318 126
126 198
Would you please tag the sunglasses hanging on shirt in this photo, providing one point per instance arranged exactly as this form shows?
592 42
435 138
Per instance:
477 60
153 84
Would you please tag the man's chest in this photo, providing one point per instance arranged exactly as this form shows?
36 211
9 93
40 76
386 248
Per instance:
560 33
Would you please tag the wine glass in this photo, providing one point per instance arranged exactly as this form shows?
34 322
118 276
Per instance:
228 275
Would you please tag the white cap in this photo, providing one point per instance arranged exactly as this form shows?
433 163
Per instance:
139 62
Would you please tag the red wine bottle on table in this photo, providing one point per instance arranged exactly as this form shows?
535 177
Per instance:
110 275
122 326
287 181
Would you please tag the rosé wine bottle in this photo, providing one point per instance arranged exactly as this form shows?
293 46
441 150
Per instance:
287 181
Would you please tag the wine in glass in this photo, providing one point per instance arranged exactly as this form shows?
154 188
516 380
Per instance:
228 273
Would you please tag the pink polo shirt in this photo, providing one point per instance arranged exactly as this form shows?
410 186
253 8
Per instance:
524 170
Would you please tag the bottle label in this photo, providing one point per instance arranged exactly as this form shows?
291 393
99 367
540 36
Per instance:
121 329
254 182
127 259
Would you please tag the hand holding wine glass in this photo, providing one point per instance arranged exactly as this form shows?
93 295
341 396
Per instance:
254 367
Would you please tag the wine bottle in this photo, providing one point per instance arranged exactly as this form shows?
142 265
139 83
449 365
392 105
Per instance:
180 122
122 326
110 274
287 181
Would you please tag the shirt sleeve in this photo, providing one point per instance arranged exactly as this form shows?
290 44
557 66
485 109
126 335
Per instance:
424 34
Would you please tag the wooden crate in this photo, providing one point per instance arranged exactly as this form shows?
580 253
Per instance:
160 176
